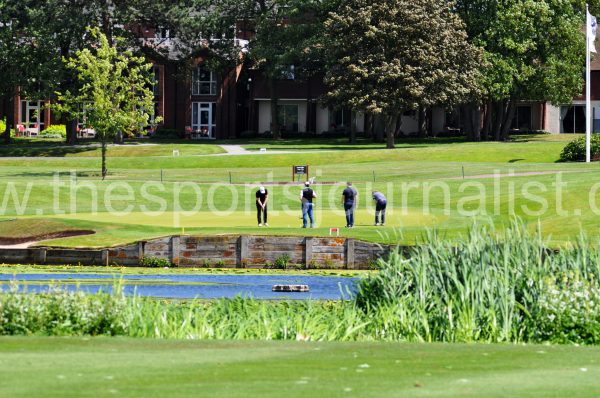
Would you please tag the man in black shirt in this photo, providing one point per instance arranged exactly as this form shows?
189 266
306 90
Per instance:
306 197
262 197
349 200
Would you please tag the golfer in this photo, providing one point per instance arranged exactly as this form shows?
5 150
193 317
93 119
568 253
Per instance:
349 201
262 197
380 205
306 197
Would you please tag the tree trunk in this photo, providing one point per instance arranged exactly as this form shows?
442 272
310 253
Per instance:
368 125
353 127
474 121
71 127
422 122
275 129
104 171
119 138
10 117
498 117
508 117
487 120
390 131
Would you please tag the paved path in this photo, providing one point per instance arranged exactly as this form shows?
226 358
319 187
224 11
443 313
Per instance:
234 150
240 150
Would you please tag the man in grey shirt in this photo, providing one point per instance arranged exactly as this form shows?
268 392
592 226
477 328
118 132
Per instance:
380 205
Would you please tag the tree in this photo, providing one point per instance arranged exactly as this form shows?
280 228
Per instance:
26 59
534 50
391 56
115 86
114 18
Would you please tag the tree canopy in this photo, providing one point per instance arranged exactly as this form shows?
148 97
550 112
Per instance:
391 56
115 93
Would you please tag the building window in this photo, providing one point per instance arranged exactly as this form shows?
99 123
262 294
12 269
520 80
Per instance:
32 114
288 118
340 119
572 119
203 119
522 119
204 81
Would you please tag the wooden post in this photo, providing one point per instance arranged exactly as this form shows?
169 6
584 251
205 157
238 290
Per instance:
308 251
40 256
175 250
141 245
350 263
242 254
105 257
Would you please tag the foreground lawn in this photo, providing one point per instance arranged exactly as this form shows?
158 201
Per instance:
103 367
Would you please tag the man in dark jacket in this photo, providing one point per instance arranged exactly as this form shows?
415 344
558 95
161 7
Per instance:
349 201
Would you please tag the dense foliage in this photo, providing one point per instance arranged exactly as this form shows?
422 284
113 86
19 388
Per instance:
115 88
575 151
393 56
54 131
491 287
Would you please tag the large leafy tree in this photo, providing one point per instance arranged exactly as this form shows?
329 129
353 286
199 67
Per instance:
114 18
391 56
27 59
534 50
114 94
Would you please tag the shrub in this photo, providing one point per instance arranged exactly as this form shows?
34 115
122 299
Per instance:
248 134
155 262
282 262
60 312
3 128
165 134
574 151
55 131
569 311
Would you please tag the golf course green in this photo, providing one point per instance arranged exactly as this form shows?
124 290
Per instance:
442 184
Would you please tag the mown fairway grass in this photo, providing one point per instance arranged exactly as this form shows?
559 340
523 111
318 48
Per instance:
107 367
229 208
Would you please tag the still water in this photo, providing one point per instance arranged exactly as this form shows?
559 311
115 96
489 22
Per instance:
190 286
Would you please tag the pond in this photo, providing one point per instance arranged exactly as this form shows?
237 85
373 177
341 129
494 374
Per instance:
190 286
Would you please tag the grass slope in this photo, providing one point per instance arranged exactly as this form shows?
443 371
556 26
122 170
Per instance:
103 367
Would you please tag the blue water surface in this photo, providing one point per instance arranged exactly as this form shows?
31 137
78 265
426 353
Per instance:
220 286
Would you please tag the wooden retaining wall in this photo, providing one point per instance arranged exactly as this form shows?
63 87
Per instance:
214 251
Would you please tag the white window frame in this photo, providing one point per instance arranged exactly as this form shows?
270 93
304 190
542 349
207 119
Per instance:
196 119
198 84
35 106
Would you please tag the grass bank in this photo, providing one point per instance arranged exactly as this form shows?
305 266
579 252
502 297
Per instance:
102 367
